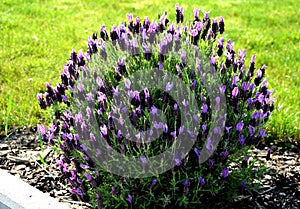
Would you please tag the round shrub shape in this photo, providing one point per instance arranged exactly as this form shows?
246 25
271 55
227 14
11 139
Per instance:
158 115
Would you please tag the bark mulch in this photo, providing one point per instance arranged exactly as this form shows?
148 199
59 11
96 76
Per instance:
20 154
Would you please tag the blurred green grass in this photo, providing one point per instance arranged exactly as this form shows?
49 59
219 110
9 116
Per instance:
38 35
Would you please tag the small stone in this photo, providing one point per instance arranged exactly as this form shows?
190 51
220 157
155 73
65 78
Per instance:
3 147
59 193
282 194
267 197
268 177
4 152
20 167
52 193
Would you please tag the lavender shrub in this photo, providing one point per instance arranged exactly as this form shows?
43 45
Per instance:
229 171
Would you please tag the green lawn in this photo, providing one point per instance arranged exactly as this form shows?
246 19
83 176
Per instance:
38 35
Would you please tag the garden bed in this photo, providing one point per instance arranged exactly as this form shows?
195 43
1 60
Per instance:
21 155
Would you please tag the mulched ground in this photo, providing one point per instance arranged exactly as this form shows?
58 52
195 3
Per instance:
19 154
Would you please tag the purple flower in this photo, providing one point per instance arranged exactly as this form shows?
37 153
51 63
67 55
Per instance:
222 89
235 91
185 103
201 180
204 108
196 13
204 127
73 175
60 163
42 129
169 86
235 80
65 167
209 145
259 73
239 126
224 154
88 176
244 86
191 133
242 139
198 64
206 15
211 163
197 152
129 199
120 121
42 102
221 42
214 26
252 130
213 60
253 58
84 166
143 159
221 25
165 126
262 133
92 137
217 130
76 191
175 106
177 162
113 191
193 84
242 54
245 162
147 94
78 118
115 91
228 129
160 65
153 183
255 170
157 125
103 129
127 83
183 55
181 129
80 87
229 45
260 98
83 147
225 173
186 183
244 183
196 117
179 13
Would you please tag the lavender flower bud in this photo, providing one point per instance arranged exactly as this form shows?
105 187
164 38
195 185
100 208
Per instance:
221 25
244 183
99 201
239 126
129 199
225 173
201 180
197 152
235 92
214 26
